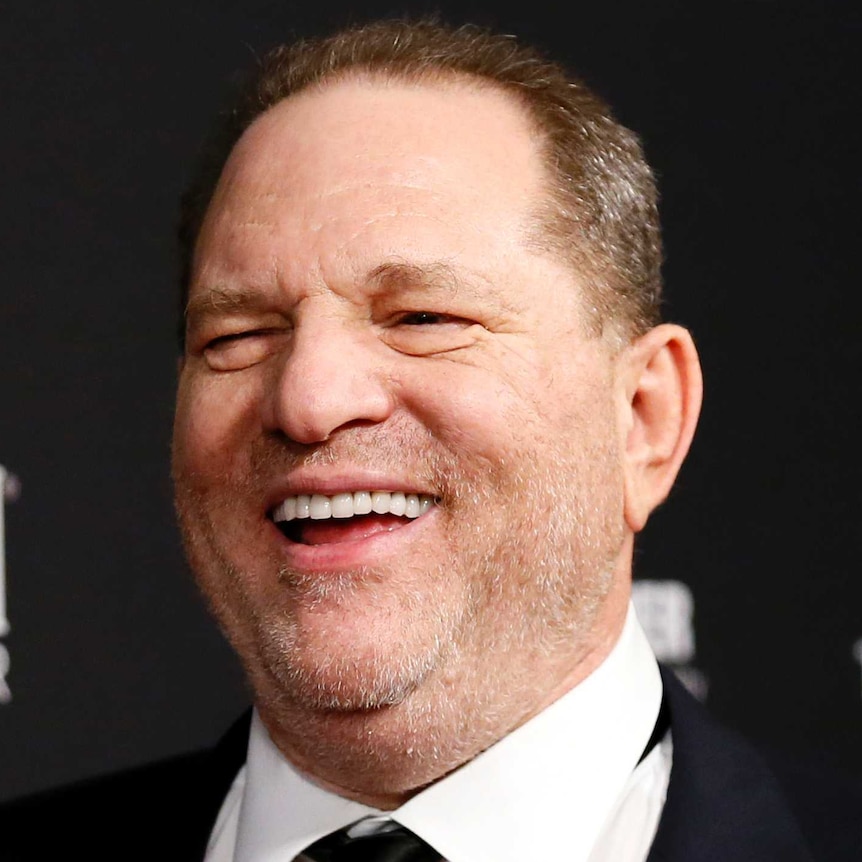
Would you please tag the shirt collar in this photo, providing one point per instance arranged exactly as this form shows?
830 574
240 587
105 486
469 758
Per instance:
551 783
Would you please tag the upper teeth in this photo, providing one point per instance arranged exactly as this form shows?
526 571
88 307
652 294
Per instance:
319 507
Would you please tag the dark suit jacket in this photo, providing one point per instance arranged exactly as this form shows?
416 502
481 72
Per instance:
726 803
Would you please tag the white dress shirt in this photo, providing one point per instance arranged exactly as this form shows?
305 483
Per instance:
564 786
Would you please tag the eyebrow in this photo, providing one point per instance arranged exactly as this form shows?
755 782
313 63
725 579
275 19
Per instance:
388 276
398 275
219 300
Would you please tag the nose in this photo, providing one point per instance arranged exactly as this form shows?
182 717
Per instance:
331 378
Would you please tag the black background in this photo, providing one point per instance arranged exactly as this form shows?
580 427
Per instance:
749 113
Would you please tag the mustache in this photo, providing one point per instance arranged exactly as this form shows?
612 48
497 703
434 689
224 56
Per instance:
412 453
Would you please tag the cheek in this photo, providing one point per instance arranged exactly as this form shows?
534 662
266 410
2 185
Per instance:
461 410
479 412
213 417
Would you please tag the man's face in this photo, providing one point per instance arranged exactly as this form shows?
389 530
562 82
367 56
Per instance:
370 312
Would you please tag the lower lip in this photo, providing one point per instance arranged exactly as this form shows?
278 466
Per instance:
365 551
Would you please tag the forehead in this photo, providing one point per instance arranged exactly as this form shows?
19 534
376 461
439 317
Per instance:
368 158
393 129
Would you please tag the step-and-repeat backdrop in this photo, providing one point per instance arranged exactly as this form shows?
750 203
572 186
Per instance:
749 579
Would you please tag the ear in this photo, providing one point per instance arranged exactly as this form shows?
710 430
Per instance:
660 389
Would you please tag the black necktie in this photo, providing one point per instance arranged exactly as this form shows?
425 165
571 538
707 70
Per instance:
390 843
661 727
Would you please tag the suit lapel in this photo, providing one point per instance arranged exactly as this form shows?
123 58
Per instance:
216 776
723 801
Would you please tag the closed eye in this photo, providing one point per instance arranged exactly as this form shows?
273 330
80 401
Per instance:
223 342
226 339
237 350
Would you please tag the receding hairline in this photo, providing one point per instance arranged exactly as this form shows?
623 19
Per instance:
542 223
599 216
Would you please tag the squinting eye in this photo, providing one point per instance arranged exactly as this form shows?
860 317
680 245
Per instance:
425 333
420 318
241 349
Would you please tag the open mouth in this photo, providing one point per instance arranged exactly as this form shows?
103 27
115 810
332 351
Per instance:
316 519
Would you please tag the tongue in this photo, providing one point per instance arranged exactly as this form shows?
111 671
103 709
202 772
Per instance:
352 529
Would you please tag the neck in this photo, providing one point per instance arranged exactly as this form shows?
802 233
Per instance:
382 757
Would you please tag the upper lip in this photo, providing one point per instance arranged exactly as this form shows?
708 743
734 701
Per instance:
330 483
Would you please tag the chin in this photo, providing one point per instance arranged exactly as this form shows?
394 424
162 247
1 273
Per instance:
319 673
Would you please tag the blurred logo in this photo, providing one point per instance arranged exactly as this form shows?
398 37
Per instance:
10 490
857 652
666 612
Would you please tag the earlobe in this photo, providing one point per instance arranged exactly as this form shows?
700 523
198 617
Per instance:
661 389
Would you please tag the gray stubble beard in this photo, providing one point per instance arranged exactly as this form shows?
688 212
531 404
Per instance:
548 580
